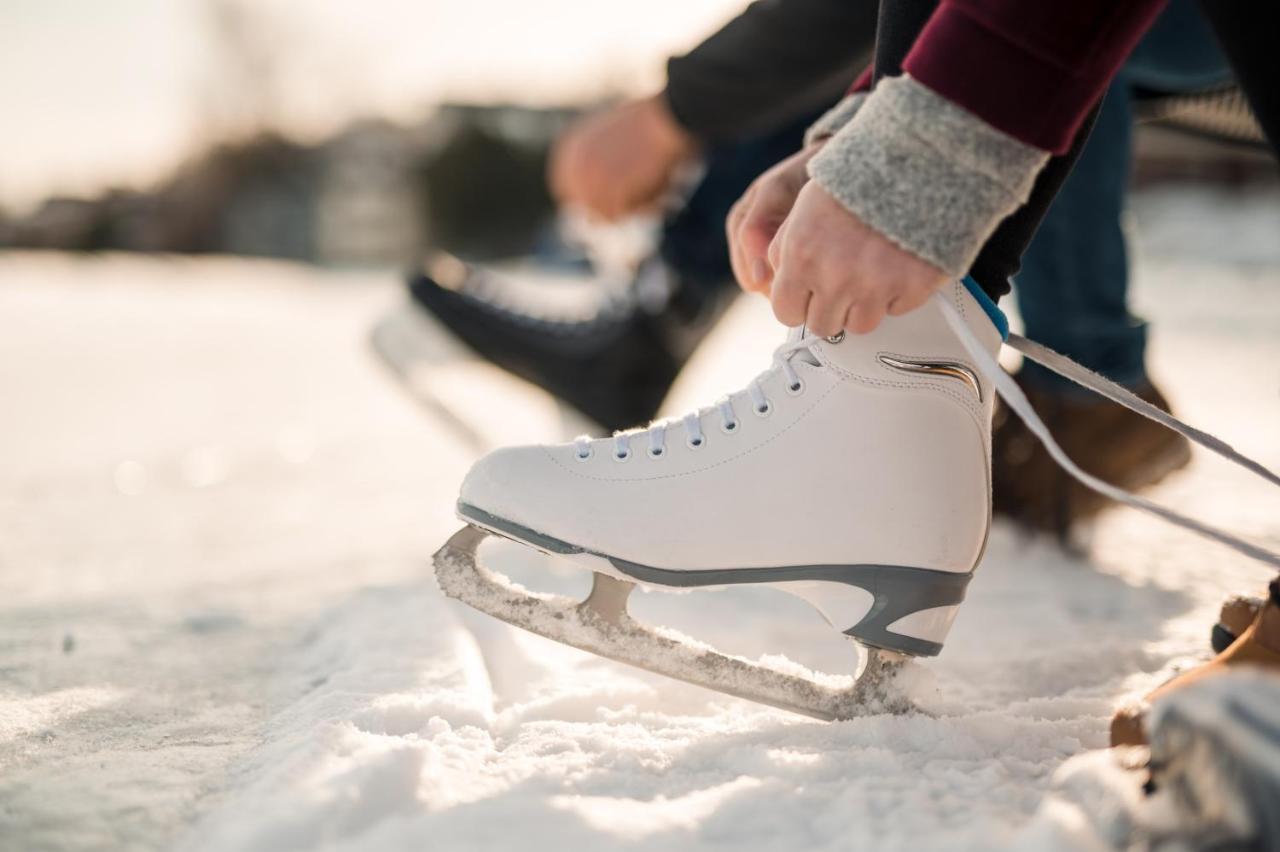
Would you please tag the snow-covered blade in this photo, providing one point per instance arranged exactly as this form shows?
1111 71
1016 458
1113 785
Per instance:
600 624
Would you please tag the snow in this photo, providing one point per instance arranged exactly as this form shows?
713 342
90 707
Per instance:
219 629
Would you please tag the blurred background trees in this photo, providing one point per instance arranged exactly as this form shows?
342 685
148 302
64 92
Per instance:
299 151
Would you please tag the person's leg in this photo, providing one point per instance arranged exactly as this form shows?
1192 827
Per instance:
1072 287
1178 54
1246 33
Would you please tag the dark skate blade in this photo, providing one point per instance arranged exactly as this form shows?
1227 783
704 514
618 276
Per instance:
403 347
600 624
421 355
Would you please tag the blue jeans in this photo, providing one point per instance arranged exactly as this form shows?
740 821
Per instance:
1073 286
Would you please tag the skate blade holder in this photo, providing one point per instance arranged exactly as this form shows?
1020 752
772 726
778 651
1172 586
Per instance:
601 625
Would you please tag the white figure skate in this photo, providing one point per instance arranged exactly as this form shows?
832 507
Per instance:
854 473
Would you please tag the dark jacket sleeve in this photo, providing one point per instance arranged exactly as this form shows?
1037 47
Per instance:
1030 68
775 62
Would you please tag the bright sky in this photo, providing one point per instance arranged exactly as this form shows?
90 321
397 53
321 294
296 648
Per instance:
117 91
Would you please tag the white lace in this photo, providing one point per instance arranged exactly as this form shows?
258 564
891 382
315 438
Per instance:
1017 401
655 435
1063 366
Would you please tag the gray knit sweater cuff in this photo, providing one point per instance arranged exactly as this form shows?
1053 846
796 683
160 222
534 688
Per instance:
834 119
927 174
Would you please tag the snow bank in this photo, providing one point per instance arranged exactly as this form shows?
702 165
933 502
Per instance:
418 723
391 696
217 620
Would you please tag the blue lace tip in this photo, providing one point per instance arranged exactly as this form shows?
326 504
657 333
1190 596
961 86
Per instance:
997 317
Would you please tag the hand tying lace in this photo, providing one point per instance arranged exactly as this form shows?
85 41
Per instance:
656 434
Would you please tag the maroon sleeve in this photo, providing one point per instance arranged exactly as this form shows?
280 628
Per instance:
863 83
1031 68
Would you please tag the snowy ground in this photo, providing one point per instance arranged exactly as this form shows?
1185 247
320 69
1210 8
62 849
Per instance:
218 630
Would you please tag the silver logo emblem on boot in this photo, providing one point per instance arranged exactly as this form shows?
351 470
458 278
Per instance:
936 369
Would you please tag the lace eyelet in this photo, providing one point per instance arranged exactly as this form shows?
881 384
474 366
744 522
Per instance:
581 456
763 410
622 457
695 443
836 338
796 388
729 428
657 453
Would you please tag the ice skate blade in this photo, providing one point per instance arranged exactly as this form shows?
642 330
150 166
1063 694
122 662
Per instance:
601 625
405 344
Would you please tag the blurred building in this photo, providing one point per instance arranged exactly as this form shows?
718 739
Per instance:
366 207
471 180
468 178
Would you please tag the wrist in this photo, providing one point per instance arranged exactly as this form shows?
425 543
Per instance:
928 175
671 137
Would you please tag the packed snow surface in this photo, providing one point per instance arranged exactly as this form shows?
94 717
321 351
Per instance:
219 629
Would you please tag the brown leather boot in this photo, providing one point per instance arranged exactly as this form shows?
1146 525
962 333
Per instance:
1105 439
1259 646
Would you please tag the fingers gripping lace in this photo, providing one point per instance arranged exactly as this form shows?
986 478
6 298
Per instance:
655 435
1017 401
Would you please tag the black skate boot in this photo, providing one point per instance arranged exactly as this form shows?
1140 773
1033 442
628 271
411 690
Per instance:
613 359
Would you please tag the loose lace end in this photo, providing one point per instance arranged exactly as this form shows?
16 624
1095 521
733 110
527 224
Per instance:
1063 366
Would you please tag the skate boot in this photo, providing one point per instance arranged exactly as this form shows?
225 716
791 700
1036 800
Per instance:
613 355
853 473
1258 646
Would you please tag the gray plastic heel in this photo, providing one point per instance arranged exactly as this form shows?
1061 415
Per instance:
897 590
